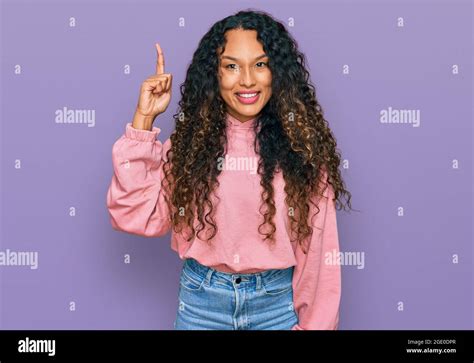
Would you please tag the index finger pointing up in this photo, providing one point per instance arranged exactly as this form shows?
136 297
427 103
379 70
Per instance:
160 61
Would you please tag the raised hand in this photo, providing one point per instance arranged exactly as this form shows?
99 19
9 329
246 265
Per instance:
155 94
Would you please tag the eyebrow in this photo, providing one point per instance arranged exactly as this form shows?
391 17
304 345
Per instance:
237 59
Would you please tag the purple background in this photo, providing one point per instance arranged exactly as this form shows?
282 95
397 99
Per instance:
407 258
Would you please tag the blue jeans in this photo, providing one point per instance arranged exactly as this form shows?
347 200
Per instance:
214 300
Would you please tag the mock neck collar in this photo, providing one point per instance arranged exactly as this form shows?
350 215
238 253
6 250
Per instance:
234 123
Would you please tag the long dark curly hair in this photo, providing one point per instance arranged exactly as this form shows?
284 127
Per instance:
291 133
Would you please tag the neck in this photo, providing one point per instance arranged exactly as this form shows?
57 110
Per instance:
241 118
235 123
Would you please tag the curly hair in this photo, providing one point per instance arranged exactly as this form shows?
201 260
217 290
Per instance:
291 133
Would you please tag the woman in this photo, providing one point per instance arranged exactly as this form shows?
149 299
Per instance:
247 182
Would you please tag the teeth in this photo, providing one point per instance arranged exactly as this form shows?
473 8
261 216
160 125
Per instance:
247 95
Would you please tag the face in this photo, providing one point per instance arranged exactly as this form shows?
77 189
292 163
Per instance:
245 81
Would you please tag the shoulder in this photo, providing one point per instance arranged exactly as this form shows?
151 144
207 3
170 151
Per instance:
166 147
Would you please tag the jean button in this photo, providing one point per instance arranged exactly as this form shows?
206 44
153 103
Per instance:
237 280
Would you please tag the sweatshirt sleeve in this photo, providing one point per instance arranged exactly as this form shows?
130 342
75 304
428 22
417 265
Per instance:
317 282
135 199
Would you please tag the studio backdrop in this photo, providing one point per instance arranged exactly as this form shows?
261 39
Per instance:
394 79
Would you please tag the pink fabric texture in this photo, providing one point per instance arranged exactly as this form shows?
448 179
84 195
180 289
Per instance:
136 205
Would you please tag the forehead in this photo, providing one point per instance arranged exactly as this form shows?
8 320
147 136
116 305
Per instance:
242 43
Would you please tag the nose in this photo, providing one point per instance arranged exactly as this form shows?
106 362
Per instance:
247 78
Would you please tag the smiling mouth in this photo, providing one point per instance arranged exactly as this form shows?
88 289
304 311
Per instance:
247 98
247 95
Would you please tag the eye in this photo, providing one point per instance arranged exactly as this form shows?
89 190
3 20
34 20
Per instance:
229 66
262 63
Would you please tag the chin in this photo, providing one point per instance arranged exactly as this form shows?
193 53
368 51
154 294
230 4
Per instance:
249 110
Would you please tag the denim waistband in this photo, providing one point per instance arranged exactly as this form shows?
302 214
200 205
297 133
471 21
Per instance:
245 278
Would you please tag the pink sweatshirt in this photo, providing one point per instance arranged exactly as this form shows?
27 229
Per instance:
136 205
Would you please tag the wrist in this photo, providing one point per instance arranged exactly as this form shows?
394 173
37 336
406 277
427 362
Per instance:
142 122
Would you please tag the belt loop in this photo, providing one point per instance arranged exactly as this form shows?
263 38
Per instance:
208 276
259 282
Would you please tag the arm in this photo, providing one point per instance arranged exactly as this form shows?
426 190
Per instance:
135 199
316 282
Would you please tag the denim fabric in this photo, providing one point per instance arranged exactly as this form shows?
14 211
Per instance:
213 300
